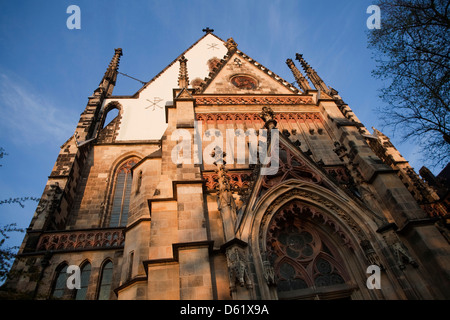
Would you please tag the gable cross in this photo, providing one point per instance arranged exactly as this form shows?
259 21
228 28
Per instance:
208 30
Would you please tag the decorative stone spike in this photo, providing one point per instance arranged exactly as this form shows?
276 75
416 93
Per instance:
225 200
312 75
301 80
268 116
109 79
183 79
231 45
238 268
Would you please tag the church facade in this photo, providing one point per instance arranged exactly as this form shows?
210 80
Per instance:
220 180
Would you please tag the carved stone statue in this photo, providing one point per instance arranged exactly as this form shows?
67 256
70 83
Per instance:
399 250
237 266
268 116
370 253
231 45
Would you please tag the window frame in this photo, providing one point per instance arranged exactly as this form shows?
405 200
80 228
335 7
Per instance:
101 279
83 269
125 196
60 271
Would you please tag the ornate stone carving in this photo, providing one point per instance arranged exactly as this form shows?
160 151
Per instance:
246 100
398 249
245 193
225 201
268 270
370 253
268 117
237 180
183 79
343 216
231 45
291 166
92 239
301 80
318 83
252 117
237 267
303 257
223 181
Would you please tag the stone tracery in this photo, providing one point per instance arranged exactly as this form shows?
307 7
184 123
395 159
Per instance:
302 257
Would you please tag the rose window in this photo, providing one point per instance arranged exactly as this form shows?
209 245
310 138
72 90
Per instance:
302 255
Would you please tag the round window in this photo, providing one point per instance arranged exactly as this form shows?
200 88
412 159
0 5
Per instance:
244 82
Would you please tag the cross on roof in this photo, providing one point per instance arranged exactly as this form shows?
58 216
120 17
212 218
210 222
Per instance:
208 30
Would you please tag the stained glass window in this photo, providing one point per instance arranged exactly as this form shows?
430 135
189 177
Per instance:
60 282
106 281
85 275
301 254
122 193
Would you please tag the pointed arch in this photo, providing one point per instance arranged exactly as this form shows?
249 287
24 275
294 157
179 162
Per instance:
118 193
303 257
85 275
109 123
59 281
105 280
337 223
110 107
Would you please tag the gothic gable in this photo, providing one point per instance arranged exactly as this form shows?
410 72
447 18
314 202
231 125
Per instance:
239 74
295 164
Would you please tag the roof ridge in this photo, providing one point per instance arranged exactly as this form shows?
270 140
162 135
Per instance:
213 74
268 72
173 62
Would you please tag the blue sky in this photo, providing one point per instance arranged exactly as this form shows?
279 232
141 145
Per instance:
47 71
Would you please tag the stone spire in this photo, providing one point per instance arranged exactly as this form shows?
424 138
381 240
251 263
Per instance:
90 118
312 75
301 80
183 79
109 79
226 204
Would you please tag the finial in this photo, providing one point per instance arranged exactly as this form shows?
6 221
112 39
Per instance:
231 45
183 79
268 116
219 156
312 75
208 30
109 79
301 80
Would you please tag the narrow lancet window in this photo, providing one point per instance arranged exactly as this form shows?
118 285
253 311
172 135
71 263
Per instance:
122 193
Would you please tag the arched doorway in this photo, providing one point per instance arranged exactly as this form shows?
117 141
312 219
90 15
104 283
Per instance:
307 259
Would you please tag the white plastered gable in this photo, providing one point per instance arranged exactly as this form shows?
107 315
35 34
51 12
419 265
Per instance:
143 117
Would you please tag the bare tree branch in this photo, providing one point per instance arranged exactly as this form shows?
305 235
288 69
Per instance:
412 52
